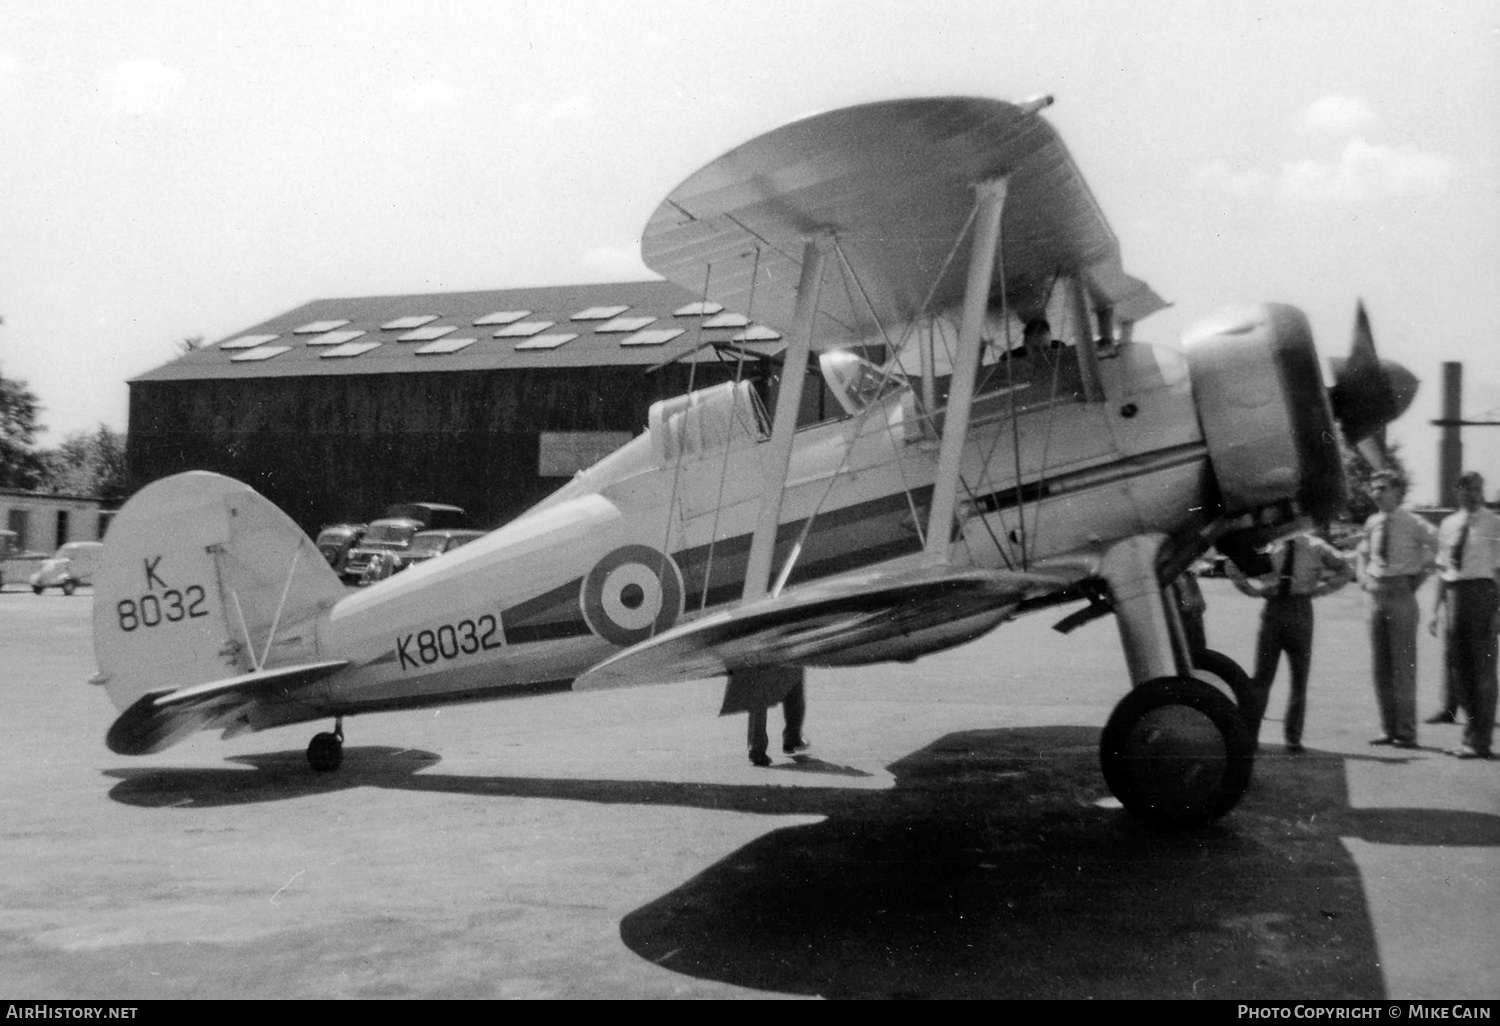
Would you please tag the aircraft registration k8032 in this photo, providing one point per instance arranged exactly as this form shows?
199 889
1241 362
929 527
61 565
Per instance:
992 466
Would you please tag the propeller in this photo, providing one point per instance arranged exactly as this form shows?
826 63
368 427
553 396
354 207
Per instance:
1368 393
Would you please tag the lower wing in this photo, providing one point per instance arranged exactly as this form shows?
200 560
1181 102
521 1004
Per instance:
866 618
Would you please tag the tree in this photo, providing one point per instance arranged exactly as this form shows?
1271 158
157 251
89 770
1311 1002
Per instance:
87 463
20 465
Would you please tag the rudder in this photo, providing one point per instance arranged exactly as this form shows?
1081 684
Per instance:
198 568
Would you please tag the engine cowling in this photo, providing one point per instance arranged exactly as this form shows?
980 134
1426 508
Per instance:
1265 412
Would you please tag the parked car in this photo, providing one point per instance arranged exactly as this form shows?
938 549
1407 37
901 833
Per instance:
391 534
427 544
432 514
336 541
74 564
17 564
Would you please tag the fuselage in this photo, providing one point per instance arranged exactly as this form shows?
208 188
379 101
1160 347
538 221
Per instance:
660 531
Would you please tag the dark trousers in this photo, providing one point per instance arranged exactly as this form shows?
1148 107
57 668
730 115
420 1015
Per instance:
1470 657
793 711
1393 651
1286 625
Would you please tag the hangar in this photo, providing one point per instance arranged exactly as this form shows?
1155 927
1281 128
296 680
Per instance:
489 400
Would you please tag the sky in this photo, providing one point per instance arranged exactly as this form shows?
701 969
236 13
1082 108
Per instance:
186 169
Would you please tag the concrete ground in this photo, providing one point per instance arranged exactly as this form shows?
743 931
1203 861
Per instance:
948 835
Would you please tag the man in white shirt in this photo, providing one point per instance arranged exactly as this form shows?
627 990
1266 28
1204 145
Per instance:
1468 612
1395 556
1304 568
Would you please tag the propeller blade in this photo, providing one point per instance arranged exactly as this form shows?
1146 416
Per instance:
1374 451
1368 392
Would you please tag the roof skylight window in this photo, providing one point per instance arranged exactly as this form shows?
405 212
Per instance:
548 341
524 329
655 337
335 338
624 324
318 327
349 349
700 309
759 333
445 345
248 341
727 320
427 334
599 313
259 353
414 321
502 317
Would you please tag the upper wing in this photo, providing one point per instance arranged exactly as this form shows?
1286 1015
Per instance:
850 620
894 181
162 718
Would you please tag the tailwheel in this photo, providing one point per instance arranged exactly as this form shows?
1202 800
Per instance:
325 752
1176 753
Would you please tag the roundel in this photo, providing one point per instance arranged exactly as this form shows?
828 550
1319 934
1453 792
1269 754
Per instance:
633 593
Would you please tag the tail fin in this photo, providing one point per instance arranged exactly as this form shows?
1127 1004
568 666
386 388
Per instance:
203 578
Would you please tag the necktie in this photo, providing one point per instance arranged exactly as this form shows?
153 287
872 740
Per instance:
1456 556
1288 559
1385 539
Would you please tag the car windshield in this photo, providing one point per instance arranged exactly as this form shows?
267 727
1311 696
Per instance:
389 534
428 544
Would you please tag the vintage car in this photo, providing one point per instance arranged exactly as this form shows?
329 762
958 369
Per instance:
391 534
16 563
432 514
74 564
428 544
336 541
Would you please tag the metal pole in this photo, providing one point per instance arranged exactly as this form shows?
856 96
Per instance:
1451 443
991 199
784 429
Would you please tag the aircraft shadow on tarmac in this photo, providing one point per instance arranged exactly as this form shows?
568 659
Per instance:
991 869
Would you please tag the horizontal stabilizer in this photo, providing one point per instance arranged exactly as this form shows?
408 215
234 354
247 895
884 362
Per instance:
162 718
859 618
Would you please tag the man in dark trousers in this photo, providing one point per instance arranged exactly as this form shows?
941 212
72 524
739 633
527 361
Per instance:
1305 566
754 691
1396 554
1468 612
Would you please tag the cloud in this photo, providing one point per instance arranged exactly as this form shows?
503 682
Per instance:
1361 173
141 88
617 263
432 93
1218 176
1337 115
1365 171
10 72
566 109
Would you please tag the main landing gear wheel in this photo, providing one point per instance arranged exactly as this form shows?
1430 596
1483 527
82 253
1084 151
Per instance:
325 752
69 586
1218 668
1176 753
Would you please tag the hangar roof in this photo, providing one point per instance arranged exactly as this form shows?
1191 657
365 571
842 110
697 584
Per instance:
636 323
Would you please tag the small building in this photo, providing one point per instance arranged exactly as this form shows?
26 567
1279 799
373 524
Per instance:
45 523
488 400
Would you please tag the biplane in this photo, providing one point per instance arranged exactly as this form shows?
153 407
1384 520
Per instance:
1004 445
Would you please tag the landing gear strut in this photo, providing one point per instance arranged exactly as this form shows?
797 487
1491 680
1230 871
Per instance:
325 752
1176 750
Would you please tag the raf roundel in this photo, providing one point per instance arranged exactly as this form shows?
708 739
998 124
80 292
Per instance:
632 594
